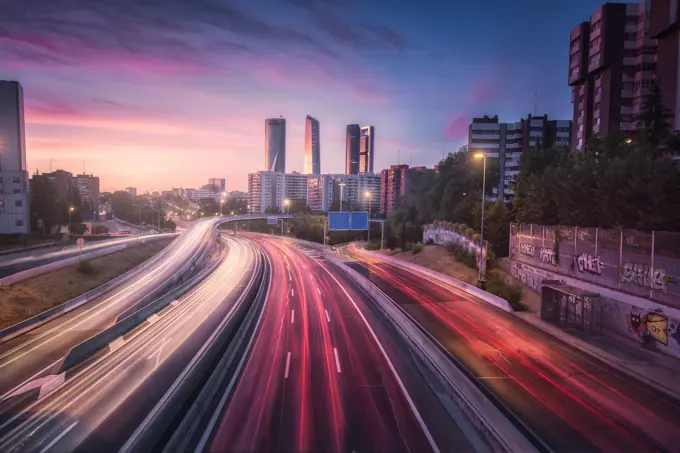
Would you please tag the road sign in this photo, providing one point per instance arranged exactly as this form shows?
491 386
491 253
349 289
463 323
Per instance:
338 221
80 243
359 221
272 220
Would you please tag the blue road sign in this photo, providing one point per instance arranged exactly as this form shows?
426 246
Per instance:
338 221
272 220
359 221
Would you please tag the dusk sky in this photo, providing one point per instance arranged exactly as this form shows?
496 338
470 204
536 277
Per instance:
162 93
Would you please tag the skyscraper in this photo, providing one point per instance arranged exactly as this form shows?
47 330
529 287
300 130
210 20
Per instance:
275 144
312 147
352 149
366 150
14 201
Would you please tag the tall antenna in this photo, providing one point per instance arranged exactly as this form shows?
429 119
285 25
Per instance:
535 104
50 165
83 166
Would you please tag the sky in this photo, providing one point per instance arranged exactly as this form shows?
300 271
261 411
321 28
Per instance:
161 93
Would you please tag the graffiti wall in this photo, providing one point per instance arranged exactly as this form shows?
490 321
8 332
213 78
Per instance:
642 320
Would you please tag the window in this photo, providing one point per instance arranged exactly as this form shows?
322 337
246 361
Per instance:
598 90
629 53
16 180
18 203
597 106
595 42
16 191
630 36
595 58
19 222
596 25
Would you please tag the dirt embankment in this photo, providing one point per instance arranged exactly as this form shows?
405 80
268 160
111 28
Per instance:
438 258
30 297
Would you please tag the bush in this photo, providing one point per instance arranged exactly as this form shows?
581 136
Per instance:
514 293
417 248
407 247
85 268
375 245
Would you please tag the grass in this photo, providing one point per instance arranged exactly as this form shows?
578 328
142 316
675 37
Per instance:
86 268
462 255
417 248
513 293
374 245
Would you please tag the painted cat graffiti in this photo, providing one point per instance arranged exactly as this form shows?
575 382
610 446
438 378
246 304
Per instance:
656 324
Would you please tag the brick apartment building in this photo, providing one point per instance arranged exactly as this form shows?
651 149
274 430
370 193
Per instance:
612 66
394 184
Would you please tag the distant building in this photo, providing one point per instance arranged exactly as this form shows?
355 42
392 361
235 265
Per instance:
237 195
218 184
268 189
394 185
366 148
61 182
503 144
132 191
178 192
312 165
359 191
612 65
88 189
352 134
275 145
14 189
198 194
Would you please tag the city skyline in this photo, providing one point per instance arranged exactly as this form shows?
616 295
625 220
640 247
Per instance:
146 98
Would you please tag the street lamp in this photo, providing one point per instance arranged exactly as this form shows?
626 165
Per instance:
222 197
368 195
342 186
70 211
482 258
286 202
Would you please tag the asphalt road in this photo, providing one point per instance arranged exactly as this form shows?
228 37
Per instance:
326 374
571 401
34 355
98 406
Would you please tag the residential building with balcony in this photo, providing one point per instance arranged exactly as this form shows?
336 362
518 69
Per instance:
324 190
268 189
664 26
612 64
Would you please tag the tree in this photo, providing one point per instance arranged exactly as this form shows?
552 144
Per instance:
655 119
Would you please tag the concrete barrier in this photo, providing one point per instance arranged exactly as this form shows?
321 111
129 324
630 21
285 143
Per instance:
443 278
28 248
494 426
30 324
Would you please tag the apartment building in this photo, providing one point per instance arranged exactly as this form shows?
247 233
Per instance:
359 191
612 66
664 26
503 144
394 182
268 189
88 189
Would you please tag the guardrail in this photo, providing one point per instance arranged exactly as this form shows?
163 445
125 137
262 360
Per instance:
495 427
30 324
28 248
492 299
164 418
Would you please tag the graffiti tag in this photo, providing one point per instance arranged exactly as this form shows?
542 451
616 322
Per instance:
644 276
527 249
547 256
589 263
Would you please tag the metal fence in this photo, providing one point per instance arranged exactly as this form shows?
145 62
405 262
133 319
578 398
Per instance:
645 264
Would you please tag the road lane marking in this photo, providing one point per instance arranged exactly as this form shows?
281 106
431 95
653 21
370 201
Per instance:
285 375
327 316
292 292
58 438
153 319
337 360
174 303
292 316
318 290
116 344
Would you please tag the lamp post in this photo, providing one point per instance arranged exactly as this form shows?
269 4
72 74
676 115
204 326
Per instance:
368 195
286 203
482 258
70 211
342 186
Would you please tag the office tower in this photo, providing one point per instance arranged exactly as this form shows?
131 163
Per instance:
219 185
14 199
352 135
366 149
612 60
312 147
503 144
275 144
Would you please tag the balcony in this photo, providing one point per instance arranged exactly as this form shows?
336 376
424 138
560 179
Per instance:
627 126
626 94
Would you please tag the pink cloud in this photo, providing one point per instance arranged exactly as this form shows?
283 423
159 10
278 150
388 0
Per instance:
458 127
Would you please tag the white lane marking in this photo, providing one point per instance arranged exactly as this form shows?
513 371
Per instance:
292 316
174 303
337 360
318 290
328 317
52 384
116 344
292 292
285 375
153 319
415 411
58 438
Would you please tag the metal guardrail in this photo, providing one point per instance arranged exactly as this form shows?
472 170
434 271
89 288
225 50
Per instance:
28 248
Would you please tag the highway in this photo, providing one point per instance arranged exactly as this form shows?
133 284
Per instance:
11 264
34 355
98 405
324 373
571 401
